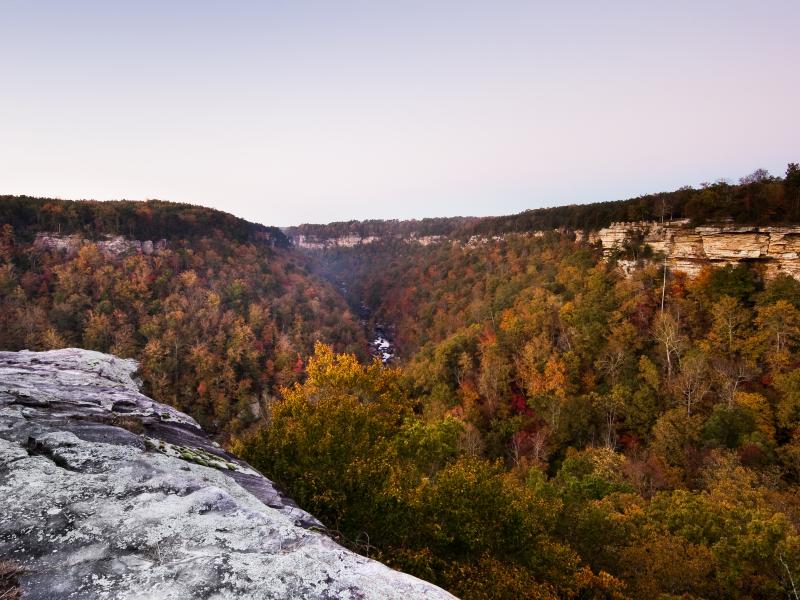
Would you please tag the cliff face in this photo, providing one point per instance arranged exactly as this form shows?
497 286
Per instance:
110 246
108 494
688 248
308 242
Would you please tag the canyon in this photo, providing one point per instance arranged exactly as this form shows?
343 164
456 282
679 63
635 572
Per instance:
685 247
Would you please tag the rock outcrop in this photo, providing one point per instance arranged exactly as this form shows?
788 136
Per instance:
113 246
689 248
105 493
308 242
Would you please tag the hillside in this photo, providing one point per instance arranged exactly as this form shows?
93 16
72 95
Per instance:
153 219
219 311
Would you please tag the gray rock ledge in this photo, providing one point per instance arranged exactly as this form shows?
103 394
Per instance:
105 493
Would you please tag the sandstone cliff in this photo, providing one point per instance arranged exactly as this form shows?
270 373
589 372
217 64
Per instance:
108 494
111 245
308 242
689 248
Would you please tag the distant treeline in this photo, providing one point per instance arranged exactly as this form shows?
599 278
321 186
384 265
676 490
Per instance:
151 219
381 228
758 199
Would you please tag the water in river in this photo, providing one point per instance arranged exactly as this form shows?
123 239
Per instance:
381 346
380 339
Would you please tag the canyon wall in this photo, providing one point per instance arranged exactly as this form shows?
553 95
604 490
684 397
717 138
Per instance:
348 241
117 245
689 248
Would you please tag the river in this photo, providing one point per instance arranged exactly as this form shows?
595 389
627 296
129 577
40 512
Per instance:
381 343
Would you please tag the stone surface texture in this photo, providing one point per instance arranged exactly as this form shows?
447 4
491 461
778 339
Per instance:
689 249
105 493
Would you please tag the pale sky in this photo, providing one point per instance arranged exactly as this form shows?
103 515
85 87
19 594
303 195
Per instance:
295 111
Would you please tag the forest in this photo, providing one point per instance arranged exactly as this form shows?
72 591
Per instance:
553 429
153 220
553 433
219 321
758 199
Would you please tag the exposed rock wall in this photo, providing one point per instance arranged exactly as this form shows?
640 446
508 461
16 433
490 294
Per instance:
349 241
69 245
105 493
345 241
688 248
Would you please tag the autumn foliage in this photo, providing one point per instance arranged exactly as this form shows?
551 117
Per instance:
549 431
217 324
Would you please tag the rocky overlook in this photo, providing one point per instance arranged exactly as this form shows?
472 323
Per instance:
108 494
689 248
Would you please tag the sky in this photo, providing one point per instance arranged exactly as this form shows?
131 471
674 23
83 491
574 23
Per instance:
301 111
